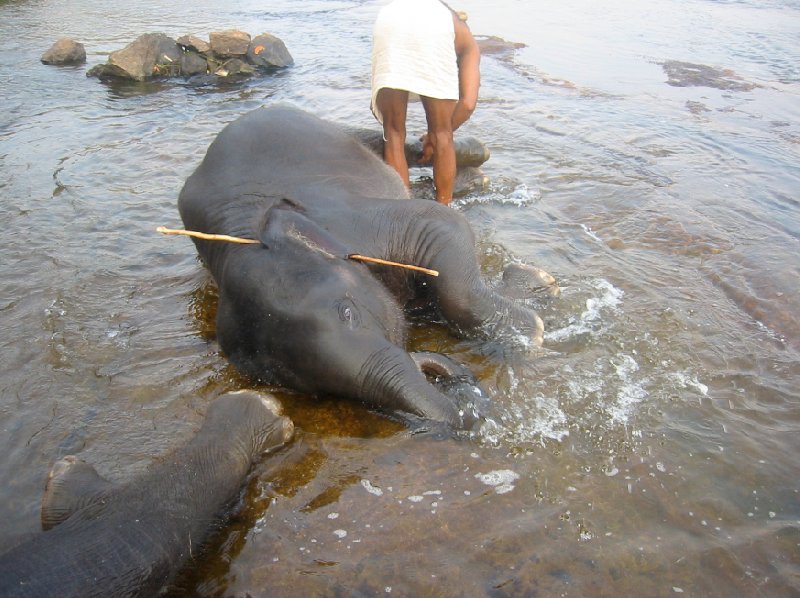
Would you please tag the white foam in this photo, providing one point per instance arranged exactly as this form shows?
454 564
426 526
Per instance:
591 233
519 196
687 380
501 480
630 391
609 298
371 489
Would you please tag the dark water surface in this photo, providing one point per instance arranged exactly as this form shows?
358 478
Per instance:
646 154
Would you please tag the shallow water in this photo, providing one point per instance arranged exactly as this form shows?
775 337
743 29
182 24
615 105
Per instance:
651 447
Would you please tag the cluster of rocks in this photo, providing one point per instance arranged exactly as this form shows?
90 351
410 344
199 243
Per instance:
155 55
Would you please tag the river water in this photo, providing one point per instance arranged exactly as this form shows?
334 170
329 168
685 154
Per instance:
652 447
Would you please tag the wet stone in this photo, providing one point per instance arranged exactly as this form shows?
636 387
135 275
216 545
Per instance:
191 42
65 51
234 67
687 74
192 64
229 44
266 51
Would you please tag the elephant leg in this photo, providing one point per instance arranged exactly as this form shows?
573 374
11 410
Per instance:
522 281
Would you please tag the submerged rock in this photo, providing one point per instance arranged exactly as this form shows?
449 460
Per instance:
65 51
491 44
470 151
234 67
687 74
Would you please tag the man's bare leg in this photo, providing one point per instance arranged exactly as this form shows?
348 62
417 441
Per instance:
439 114
393 105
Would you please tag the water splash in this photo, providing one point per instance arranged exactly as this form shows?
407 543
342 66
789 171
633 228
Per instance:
509 193
630 391
609 299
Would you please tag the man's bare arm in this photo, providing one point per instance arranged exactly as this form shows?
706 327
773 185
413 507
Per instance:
469 72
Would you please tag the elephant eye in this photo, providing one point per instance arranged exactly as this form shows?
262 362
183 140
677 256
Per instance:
348 313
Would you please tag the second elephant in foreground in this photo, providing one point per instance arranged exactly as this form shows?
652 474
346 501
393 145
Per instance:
130 540
293 309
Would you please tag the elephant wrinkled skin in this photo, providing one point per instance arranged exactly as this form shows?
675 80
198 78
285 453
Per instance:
294 310
130 540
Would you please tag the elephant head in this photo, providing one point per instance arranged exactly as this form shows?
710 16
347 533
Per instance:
293 309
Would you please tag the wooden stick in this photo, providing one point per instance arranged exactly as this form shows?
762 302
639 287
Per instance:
206 236
229 239
375 260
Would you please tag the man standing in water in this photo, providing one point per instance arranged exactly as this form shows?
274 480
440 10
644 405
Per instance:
424 47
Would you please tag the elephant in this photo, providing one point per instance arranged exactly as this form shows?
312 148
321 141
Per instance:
294 309
108 540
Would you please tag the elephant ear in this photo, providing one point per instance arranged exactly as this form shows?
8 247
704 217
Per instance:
285 222
71 485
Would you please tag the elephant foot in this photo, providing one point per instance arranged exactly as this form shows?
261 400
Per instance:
71 484
522 281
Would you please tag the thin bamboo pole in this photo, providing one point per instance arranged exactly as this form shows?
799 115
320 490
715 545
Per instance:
205 236
375 260
229 239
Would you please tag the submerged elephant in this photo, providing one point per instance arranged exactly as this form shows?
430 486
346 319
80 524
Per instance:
293 309
130 540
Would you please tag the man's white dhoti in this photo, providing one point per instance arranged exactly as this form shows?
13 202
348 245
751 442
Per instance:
413 49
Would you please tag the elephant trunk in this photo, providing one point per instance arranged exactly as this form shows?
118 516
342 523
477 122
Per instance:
130 540
391 379
441 239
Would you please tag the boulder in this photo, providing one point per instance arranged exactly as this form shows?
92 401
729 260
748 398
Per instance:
229 44
470 151
150 55
266 51
65 51
190 42
193 63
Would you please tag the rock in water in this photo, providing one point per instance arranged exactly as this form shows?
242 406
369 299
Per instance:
65 51
150 55
229 44
266 50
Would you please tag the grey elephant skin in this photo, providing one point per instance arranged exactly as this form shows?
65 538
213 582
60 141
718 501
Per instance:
293 309
130 540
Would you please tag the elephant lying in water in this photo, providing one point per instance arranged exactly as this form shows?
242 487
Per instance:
294 310
130 540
